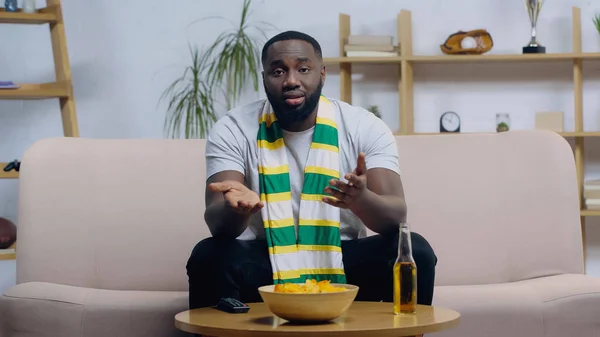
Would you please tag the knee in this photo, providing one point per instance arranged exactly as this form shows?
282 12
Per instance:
208 253
422 250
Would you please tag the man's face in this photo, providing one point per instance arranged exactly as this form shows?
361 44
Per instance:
293 78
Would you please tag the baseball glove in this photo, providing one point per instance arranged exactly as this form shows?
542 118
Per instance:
453 44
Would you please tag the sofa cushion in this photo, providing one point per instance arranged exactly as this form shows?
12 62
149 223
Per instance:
46 309
560 305
571 303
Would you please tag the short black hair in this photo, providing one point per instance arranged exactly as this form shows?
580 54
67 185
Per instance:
292 35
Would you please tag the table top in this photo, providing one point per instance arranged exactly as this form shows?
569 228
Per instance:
361 319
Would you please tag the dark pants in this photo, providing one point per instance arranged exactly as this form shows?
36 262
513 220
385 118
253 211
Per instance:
234 268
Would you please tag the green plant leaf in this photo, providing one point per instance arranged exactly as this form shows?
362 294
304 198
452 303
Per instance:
190 101
596 20
228 66
374 109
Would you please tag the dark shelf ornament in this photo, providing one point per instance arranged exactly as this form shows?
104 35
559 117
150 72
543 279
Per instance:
14 165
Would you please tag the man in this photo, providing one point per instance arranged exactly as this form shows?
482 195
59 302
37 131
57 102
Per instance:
293 184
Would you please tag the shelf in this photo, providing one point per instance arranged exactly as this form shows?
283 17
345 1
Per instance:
366 60
499 58
564 134
590 212
442 133
36 91
44 15
503 58
579 134
8 254
7 175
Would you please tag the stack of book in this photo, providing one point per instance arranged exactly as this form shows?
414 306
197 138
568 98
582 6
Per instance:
9 253
591 194
370 46
8 85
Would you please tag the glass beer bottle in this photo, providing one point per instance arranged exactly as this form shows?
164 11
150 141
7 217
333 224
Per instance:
405 275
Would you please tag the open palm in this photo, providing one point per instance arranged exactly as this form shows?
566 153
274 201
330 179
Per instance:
238 196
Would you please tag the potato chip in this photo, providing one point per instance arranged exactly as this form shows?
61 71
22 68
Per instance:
309 287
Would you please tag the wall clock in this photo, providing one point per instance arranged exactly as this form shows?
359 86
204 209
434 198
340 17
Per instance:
450 122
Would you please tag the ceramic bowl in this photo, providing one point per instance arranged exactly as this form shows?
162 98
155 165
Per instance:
308 307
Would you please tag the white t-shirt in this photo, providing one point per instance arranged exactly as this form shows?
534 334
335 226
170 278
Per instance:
231 145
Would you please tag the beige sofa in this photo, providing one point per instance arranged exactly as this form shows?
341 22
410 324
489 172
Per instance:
106 227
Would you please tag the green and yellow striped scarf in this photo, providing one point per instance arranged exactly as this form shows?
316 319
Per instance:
315 251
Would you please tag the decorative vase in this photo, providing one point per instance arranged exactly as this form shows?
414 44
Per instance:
29 6
502 122
10 5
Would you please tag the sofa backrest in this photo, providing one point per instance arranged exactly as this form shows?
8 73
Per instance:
495 207
110 214
125 214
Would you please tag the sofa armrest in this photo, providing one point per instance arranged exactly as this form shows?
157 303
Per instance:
45 309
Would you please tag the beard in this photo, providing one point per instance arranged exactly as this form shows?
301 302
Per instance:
287 114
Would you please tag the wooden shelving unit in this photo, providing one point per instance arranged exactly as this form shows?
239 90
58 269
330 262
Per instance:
564 134
508 58
37 91
49 14
7 175
405 62
8 254
62 88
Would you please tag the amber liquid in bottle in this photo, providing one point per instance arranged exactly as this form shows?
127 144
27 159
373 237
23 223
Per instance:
405 275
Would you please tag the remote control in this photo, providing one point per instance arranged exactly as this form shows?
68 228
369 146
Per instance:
232 306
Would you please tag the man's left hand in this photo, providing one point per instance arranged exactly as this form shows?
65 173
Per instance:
348 195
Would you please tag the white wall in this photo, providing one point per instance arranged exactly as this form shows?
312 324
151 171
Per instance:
124 53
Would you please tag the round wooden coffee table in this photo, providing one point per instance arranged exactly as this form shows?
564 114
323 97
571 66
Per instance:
362 319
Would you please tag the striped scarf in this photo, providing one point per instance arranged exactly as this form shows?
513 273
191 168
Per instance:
314 250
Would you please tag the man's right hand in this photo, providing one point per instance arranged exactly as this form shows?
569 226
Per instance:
237 196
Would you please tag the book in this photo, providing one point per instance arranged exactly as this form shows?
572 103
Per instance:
591 189
371 54
592 203
367 47
9 253
363 39
8 85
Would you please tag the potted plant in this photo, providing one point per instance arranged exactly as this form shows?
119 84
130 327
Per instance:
223 69
190 100
502 122
596 20
375 110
